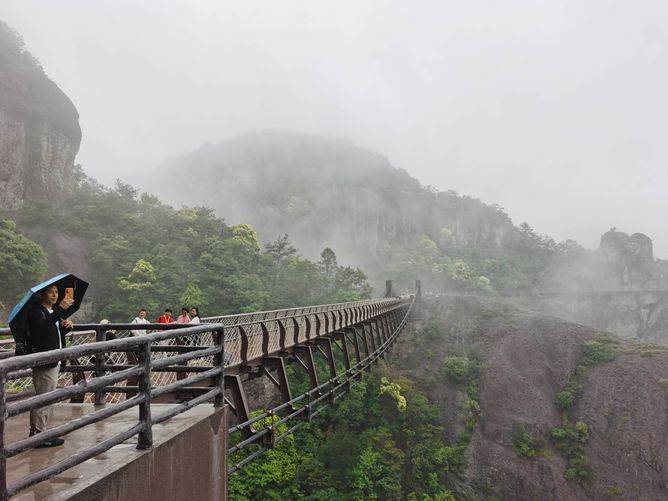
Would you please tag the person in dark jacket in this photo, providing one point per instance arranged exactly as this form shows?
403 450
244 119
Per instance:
47 329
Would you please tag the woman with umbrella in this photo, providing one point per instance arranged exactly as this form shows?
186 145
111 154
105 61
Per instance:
47 332
40 322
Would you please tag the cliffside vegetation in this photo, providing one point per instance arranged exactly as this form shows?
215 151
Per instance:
144 253
328 192
23 262
384 441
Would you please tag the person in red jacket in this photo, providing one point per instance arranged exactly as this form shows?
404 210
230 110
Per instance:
166 318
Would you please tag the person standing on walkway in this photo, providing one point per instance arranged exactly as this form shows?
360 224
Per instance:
194 319
183 318
47 328
140 319
166 318
194 315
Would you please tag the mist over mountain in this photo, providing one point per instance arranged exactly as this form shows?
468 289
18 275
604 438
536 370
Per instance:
327 192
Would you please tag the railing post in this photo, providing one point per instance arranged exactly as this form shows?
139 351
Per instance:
100 396
281 335
219 359
145 438
265 339
244 345
295 337
3 456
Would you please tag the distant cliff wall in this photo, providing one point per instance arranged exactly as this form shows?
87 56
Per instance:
39 128
619 288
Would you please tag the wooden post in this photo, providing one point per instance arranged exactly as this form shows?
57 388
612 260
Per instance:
100 397
219 360
388 288
145 438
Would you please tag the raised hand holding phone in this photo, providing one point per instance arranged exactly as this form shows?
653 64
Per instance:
68 300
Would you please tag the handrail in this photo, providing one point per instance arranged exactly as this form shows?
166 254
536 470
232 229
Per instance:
141 347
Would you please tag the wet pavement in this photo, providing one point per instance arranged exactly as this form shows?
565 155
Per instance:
71 481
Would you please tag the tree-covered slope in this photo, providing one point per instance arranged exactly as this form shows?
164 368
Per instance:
139 252
329 192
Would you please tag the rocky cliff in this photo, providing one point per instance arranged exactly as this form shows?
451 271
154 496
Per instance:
39 128
556 411
620 288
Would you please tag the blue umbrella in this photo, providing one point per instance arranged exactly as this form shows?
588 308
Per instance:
61 281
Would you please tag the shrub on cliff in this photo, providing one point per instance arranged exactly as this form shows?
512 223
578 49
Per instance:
458 369
599 351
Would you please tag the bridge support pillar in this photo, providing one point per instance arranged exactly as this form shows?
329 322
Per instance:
309 365
356 345
240 409
326 344
369 324
341 337
281 380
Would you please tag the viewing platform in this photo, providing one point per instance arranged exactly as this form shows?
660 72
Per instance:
181 465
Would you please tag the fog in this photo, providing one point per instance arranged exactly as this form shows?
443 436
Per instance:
554 110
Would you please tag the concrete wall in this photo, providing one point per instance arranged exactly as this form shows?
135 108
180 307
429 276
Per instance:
191 466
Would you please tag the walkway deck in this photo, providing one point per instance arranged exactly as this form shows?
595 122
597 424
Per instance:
75 480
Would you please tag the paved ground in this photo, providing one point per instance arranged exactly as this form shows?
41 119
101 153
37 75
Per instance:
72 481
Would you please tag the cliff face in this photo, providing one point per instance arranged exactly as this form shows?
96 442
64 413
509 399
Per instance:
39 128
525 360
619 288
630 260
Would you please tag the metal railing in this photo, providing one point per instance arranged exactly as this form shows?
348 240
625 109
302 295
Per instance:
21 385
305 407
141 347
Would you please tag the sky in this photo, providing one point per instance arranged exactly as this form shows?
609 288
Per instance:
555 110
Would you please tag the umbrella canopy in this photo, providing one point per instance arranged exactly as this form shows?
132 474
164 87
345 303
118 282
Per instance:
62 282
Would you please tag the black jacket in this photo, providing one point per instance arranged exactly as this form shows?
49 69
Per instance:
43 333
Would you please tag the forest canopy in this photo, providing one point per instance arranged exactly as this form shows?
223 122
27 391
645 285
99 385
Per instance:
146 254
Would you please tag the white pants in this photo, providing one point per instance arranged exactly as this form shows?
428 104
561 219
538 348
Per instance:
44 379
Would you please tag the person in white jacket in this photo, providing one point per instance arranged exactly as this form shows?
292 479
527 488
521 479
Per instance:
194 315
140 319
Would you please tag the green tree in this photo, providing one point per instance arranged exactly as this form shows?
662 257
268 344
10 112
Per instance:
23 262
281 250
328 261
192 296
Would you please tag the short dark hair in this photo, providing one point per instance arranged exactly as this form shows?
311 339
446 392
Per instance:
185 309
168 310
142 309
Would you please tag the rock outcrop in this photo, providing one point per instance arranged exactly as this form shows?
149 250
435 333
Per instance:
619 288
525 360
39 128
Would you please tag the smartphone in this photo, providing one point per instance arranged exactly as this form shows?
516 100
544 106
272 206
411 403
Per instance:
69 293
